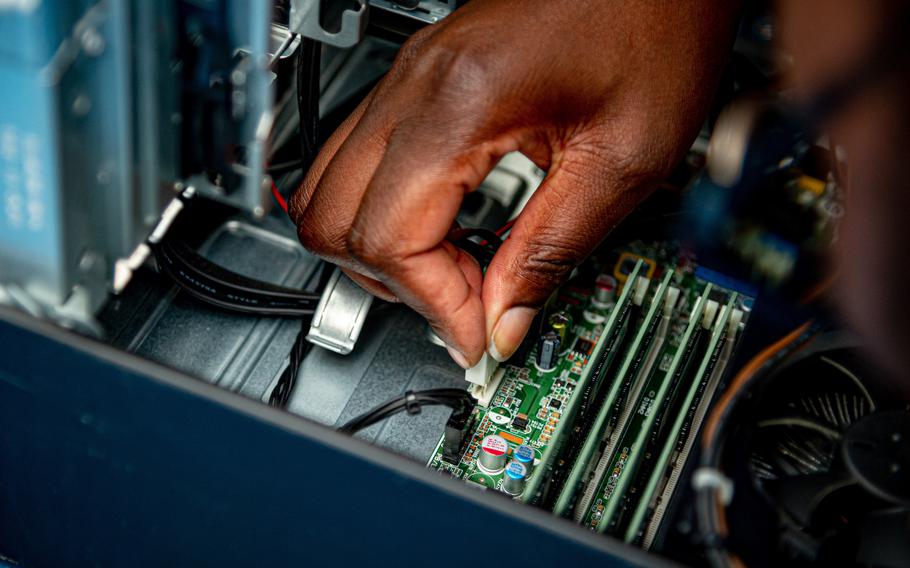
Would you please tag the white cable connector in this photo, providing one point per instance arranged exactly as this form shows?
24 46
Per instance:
484 394
480 373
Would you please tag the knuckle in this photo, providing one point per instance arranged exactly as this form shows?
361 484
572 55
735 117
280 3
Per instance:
443 63
458 70
367 249
413 49
298 202
320 238
311 239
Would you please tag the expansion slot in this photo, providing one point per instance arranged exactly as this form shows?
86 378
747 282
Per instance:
628 379
628 455
677 449
546 483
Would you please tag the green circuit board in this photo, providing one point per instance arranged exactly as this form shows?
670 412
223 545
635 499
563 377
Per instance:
635 345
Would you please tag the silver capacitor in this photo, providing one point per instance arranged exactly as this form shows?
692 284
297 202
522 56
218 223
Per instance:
548 351
493 452
605 290
513 480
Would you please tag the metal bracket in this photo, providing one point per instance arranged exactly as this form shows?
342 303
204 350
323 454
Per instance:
306 16
425 11
340 315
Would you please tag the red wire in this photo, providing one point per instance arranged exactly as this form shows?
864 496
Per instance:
500 231
279 198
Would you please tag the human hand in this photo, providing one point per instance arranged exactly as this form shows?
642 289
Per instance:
605 96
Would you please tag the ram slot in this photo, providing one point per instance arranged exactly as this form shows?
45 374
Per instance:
628 456
596 471
617 402
677 450
544 485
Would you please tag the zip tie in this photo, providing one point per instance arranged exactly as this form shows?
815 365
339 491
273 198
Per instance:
411 404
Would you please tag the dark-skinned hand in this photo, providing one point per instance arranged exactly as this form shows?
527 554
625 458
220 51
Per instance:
605 96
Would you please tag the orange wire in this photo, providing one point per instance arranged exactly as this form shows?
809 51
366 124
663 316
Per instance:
739 382
818 290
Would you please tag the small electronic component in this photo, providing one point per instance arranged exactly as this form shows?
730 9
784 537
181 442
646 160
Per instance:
512 438
548 351
560 322
513 481
524 454
555 404
605 290
493 453
583 346
520 422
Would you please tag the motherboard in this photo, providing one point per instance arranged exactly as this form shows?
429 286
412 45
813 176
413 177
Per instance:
596 419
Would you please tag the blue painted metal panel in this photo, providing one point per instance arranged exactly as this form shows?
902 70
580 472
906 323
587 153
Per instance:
108 460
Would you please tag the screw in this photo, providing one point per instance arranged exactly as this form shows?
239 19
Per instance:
81 105
92 42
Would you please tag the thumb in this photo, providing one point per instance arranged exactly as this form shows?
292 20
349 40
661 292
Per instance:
568 216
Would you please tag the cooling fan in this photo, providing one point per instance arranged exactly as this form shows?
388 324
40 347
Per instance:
832 458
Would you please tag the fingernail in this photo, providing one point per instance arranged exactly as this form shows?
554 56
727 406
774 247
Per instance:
458 357
509 332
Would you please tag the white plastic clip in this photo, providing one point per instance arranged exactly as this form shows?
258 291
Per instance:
711 478
340 315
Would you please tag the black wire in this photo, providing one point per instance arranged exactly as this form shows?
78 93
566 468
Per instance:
411 401
223 288
285 385
309 61
282 168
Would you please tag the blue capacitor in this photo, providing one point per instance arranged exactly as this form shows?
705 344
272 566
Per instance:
548 351
513 480
524 454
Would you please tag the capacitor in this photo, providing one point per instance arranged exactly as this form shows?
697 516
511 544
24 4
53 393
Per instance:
524 454
548 351
560 322
513 481
605 289
493 451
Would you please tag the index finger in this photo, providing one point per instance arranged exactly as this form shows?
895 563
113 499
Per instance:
404 218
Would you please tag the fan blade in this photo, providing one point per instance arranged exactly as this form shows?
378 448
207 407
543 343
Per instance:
801 495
